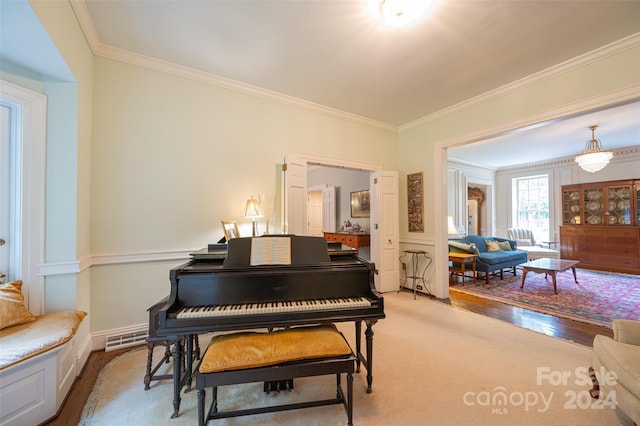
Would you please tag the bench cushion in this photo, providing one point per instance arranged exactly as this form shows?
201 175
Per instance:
245 350
48 331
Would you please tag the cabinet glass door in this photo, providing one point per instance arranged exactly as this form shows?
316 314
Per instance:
593 206
619 205
571 207
637 189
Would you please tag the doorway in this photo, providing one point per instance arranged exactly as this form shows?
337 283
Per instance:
314 213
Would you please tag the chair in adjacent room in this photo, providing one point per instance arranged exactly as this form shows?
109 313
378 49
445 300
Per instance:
526 241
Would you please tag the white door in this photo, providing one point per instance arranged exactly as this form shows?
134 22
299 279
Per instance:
329 209
314 213
385 230
295 196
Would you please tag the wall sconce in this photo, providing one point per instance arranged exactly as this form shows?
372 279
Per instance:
252 210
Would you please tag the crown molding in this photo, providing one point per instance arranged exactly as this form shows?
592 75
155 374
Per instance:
596 55
621 154
125 56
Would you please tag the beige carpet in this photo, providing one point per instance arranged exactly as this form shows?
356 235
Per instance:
434 364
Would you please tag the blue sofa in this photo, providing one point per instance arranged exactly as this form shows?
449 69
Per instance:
489 261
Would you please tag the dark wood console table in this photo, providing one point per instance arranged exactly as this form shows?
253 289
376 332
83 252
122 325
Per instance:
355 240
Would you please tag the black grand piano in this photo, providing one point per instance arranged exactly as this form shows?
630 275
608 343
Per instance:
313 285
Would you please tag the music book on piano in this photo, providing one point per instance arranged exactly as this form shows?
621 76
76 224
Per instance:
270 251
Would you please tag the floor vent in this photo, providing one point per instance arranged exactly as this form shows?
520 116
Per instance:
126 340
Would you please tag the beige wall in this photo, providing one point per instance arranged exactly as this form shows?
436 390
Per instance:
171 157
598 81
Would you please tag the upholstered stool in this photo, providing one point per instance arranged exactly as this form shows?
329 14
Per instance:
250 357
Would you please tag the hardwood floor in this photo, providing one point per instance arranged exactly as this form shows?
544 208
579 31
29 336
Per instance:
581 333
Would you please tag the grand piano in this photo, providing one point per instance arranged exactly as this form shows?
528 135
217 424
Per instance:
313 284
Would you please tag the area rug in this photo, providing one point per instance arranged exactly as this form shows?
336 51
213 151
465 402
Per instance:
434 364
598 298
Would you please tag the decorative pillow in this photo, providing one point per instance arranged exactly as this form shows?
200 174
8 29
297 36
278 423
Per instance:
504 245
12 309
524 242
493 246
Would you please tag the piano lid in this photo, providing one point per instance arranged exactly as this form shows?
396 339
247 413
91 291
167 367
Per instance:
305 250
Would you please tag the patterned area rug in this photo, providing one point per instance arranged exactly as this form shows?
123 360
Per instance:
598 298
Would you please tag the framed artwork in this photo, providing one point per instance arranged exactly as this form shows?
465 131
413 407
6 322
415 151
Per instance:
360 204
230 229
415 205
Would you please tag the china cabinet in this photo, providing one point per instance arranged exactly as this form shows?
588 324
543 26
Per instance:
601 225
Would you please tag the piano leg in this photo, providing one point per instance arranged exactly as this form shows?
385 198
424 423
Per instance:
369 335
177 375
358 344
189 361
368 360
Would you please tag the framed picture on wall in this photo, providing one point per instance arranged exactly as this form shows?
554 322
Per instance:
360 206
415 199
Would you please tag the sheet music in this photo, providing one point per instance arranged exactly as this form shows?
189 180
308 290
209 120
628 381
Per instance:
270 251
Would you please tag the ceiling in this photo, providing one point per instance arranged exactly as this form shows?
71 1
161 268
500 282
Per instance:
335 54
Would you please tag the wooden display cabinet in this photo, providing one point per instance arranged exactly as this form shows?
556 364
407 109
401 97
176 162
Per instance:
601 225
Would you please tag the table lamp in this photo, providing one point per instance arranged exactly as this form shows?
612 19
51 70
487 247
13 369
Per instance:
252 210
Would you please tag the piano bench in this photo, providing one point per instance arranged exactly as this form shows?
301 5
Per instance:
249 357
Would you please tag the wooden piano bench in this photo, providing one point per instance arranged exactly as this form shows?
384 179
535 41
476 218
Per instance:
249 357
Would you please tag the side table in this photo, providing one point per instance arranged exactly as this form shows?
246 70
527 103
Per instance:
414 256
463 259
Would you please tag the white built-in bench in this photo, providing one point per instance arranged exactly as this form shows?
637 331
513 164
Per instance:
38 364
278 356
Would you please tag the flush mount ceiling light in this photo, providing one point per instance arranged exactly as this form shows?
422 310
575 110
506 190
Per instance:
397 13
593 158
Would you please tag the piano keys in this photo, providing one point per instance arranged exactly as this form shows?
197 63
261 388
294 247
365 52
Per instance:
212 295
210 311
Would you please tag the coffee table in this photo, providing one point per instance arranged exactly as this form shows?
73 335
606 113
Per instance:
549 266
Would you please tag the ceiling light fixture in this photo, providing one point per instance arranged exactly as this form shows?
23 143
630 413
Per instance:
397 13
593 158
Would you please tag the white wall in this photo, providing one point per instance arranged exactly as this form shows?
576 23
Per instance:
594 81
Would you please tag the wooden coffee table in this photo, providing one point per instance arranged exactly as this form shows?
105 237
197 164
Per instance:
549 266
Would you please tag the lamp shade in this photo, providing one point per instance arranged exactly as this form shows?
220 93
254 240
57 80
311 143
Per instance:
451 227
252 209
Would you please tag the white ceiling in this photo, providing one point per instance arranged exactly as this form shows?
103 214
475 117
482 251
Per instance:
335 54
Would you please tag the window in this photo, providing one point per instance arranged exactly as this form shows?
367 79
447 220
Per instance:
531 205
25 112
